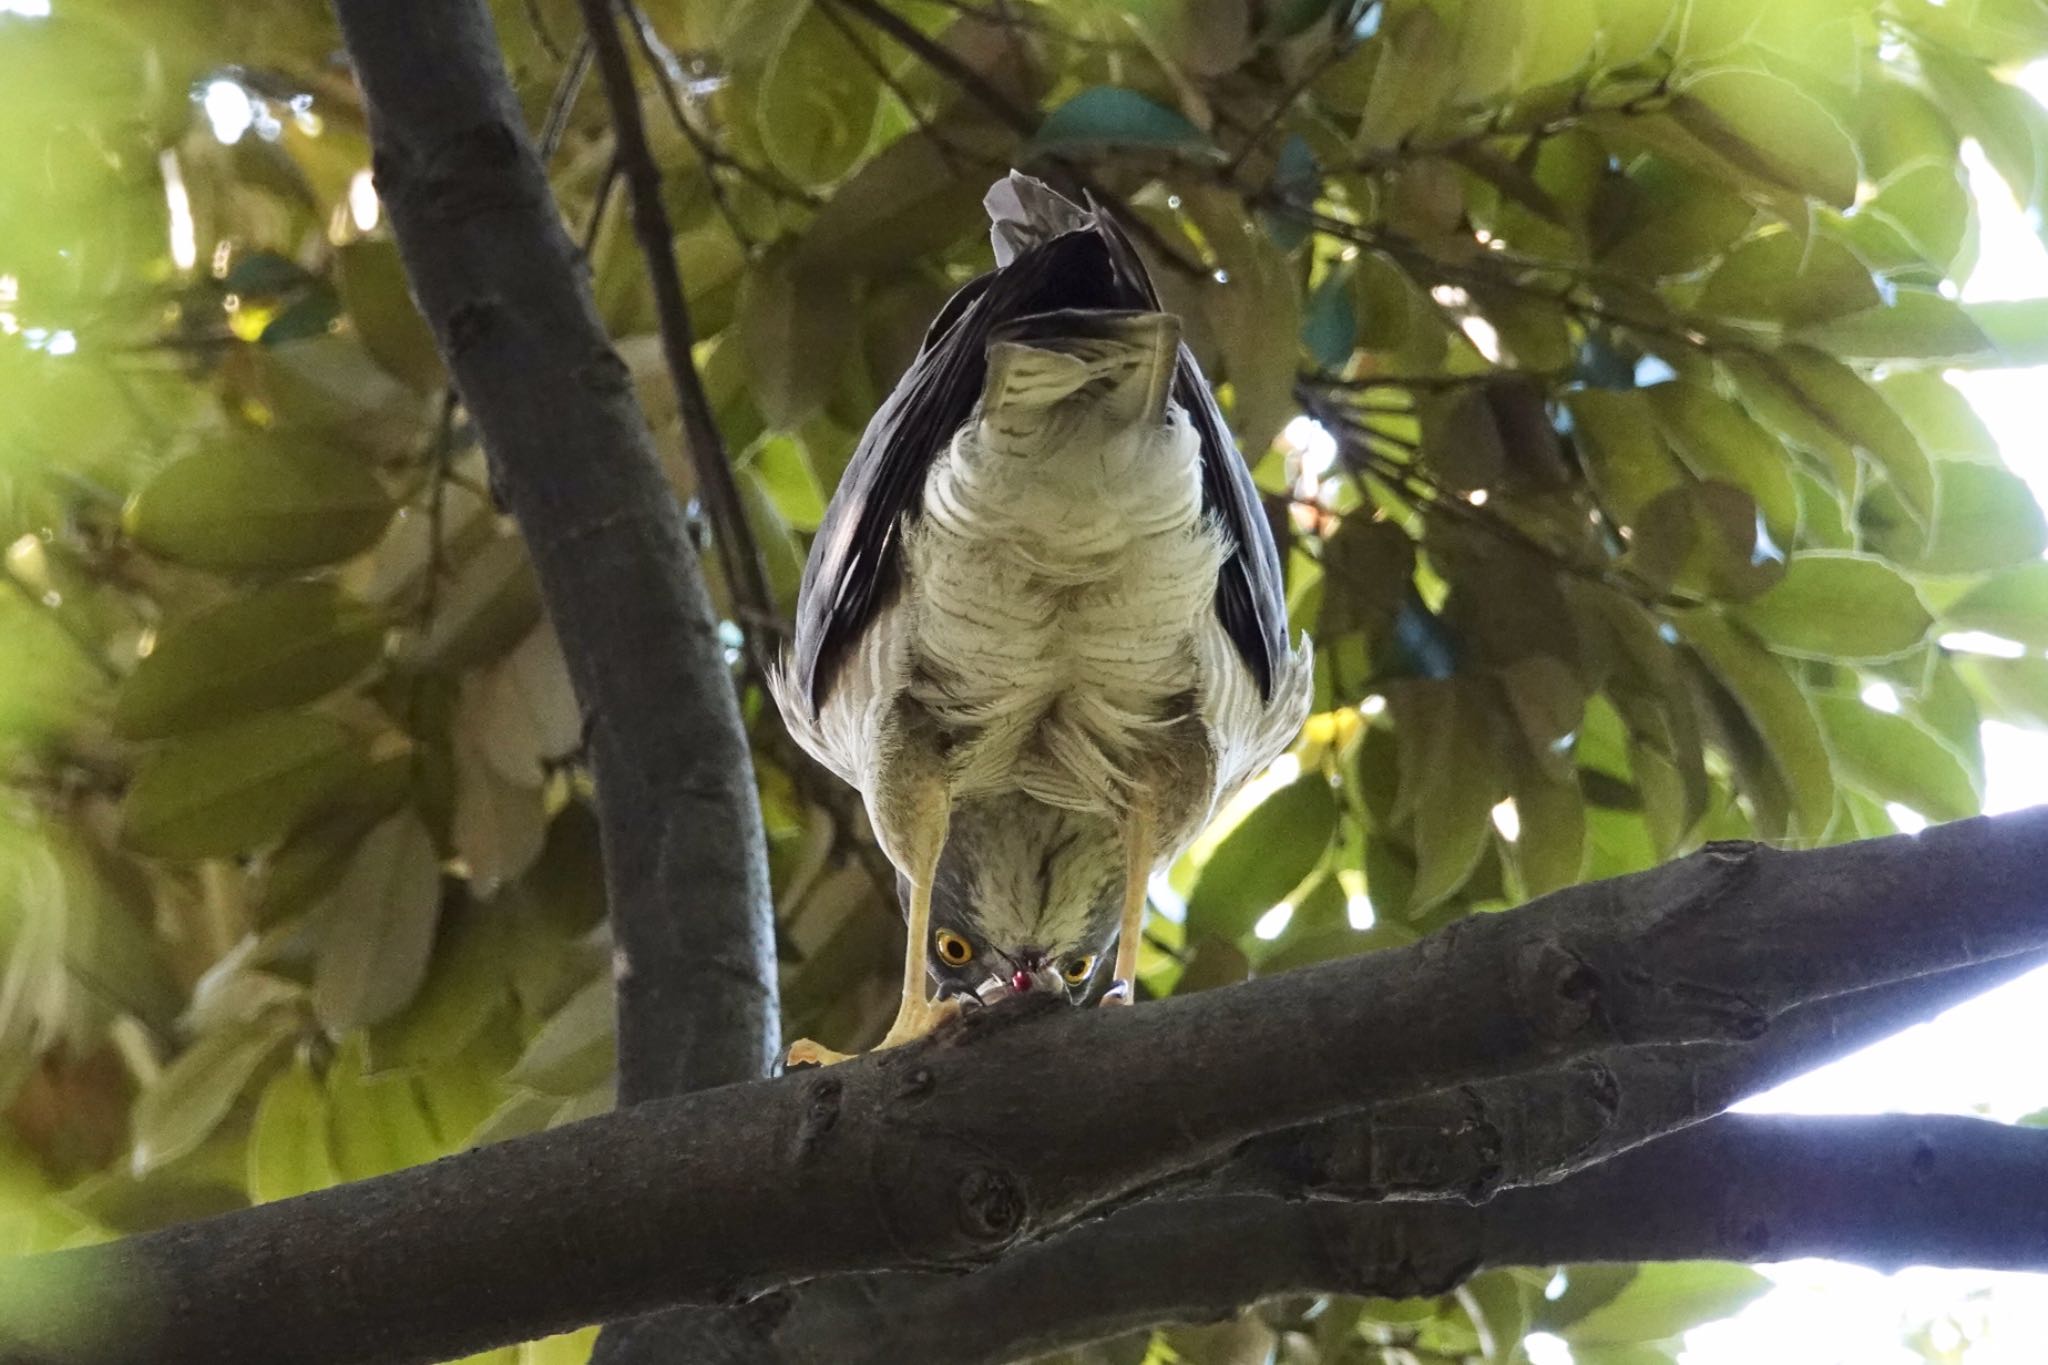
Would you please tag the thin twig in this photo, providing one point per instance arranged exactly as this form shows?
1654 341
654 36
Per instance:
666 66
599 203
538 22
1022 121
440 456
738 555
563 101
1420 490
1336 52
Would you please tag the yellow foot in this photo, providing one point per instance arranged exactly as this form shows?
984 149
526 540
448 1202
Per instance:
804 1052
911 1024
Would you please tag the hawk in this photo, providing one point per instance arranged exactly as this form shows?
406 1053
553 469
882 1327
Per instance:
1042 626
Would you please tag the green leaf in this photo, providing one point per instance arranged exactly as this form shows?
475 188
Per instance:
1329 325
1987 520
1717 440
377 928
466 985
2012 604
783 466
280 646
1677 222
187 1102
237 788
907 200
574 1050
1461 441
1416 74
376 1124
1779 711
380 307
1770 129
1839 605
310 315
1205 38
1929 203
1663 1300
1625 454
1254 314
1550 850
1944 420
1450 781
796 326
1367 570
2015 690
288 1152
1830 403
1264 858
817 103
2018 329
1782 277
1918 324
489 604
498 825
260 508
1214 962
1895 758
1111 116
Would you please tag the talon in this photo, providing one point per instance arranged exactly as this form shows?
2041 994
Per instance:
1120 992
805 1053
911 1026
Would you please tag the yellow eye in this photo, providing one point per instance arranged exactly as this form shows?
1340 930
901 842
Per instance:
1078 969
954 950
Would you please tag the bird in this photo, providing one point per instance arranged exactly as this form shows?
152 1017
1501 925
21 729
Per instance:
1042 627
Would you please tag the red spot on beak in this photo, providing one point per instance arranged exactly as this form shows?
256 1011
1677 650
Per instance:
1020 982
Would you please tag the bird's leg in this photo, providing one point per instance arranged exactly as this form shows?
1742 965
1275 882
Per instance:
1138 855
928 808
915 1015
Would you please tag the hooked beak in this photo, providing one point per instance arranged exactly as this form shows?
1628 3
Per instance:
1021 980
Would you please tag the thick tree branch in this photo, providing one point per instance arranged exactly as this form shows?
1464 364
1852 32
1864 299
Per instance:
1891 1191
1461 1144
506 292
952 1151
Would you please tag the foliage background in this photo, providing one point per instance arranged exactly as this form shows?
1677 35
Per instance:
1591 354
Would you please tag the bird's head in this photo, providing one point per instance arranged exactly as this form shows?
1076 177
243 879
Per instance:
1026 899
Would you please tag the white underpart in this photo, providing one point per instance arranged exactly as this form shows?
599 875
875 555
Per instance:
1060 579
1057 599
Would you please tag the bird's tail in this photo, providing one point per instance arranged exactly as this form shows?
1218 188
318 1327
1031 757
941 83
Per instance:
1122 363
1024 211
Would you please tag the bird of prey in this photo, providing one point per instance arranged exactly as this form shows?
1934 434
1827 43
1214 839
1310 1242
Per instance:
1042 627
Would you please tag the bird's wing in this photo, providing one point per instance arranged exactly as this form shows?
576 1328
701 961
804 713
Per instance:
1087 262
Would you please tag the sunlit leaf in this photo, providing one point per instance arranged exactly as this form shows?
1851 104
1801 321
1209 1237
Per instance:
260 508
378 927
1894 758
1450 781
278 647
1772 130
194 1093
1663 1300
1780 712
1266 856
288 1152
2012 604
1840 605
239 787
